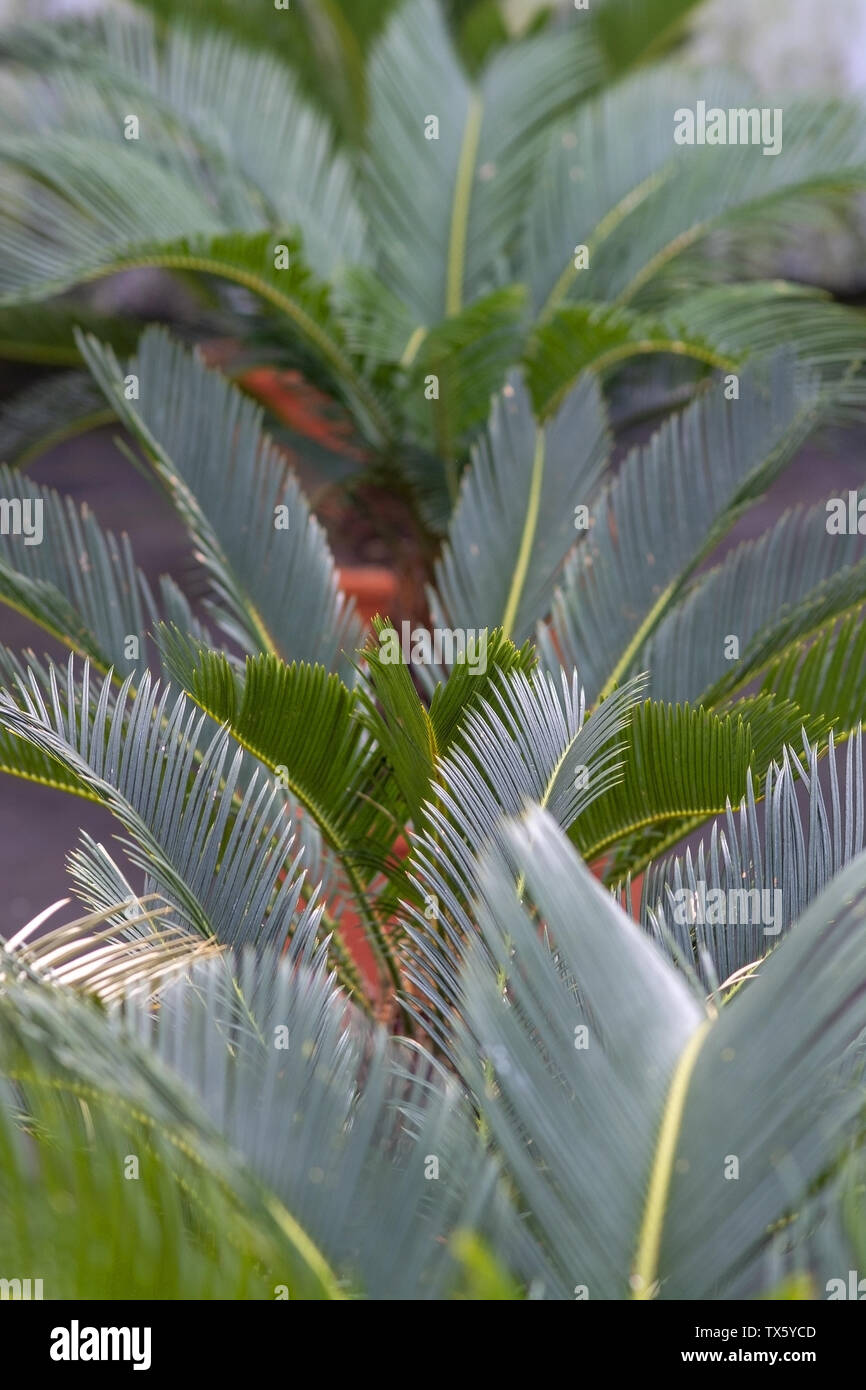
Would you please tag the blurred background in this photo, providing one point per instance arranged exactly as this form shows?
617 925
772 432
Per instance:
792 43
786 45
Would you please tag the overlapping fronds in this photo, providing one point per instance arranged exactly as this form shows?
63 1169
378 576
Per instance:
527 741
681 766
767 861
617 1099
223 864
671 502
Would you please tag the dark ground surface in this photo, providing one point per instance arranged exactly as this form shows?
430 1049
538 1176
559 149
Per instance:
38 826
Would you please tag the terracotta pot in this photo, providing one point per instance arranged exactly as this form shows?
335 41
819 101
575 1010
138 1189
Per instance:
373 588
302 407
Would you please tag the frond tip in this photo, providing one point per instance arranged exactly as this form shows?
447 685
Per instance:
98 955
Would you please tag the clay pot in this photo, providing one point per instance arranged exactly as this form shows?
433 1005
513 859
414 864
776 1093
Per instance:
373 587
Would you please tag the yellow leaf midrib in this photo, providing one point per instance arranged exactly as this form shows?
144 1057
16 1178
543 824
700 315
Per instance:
456 265
645 1268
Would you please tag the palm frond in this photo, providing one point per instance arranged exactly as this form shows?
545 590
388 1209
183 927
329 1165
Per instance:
340 1123
525 742
223 865
717 328
829 676
752 320
75 580
80 1102
413 738
92 955
203 102
813 1253
44 336
640 206
48 412
231 1072
461 362
670 503
772 871
770 594
302 723
787 638
630 32
325 46
515 519
465 190
583 337
628 1196
298 720
266 555
681 767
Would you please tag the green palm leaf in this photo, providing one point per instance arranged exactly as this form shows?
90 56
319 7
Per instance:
223 865
461 362
830 674
515 519
681 767
303 724
631 31
77 581
722 328
45 336
412 737
526 741
805 840
266 555
670 503
466 190
629 1196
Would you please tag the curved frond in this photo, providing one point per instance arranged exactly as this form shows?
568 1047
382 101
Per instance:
413 738
830 674
254 1080
222 863
79 1099
45 336
303 724
766 873
94 955
266 555
681 766
639 206
61 570
203 102
671 502
47 412
717 328
771 594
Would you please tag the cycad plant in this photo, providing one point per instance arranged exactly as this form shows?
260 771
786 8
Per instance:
526 206
532 1086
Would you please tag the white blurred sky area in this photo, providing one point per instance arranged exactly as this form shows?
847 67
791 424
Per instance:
793 45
